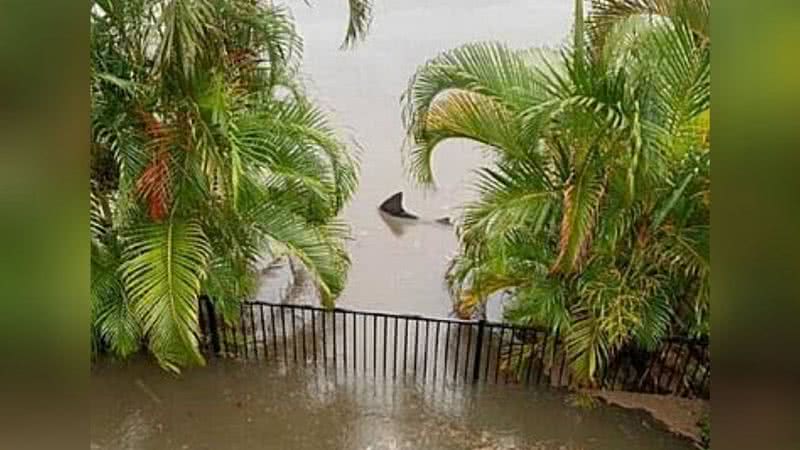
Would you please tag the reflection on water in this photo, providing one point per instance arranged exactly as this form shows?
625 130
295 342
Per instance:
230 405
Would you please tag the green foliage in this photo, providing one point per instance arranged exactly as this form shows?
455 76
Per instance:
595 217
207 156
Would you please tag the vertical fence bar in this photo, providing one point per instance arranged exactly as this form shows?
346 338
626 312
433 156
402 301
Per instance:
510 354
556 341
303 333
374 346
355 340
488 352
425 355
202 326
499 354
283 331
324 342
466 354
458 354
294 334
394 356
405 349
476 362
561 370
344 341
364 341
220 321
333 333
314 334
253 329
385 343
532 351
542 356
446 350
274 332
223 325
212 325
436 350
244 330
416 345
263 331
235 338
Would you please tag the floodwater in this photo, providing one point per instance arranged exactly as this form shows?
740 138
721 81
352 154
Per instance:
253 406
402 270
397 267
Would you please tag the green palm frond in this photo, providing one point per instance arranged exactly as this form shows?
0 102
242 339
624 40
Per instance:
164 267
476 92
587 346
511 196
463 115
489 69
113 318
320 249
581 206
606 14
359 21
545 302
682 88
295 146
191 39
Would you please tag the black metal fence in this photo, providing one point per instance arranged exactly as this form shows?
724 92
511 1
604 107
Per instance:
435 350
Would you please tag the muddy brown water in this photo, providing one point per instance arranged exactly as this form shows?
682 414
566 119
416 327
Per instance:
252 406
397 267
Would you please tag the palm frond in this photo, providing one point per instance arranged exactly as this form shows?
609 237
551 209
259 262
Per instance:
511 196
587 347
359 21
487 68
113 318
162 274
190 39
581 205
320 249
606 14
463 115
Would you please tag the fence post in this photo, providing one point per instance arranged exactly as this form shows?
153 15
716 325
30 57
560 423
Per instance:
476 364
212 324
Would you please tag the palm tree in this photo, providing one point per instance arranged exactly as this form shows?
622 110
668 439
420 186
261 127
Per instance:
594 216
206 155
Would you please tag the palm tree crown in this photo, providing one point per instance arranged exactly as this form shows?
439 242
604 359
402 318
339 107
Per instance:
594 216
206 155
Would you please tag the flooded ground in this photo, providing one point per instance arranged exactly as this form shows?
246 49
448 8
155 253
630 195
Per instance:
249 406
400 268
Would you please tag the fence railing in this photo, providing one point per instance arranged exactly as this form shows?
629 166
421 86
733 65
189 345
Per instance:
440 350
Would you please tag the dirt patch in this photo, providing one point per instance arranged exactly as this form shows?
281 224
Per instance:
680 415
